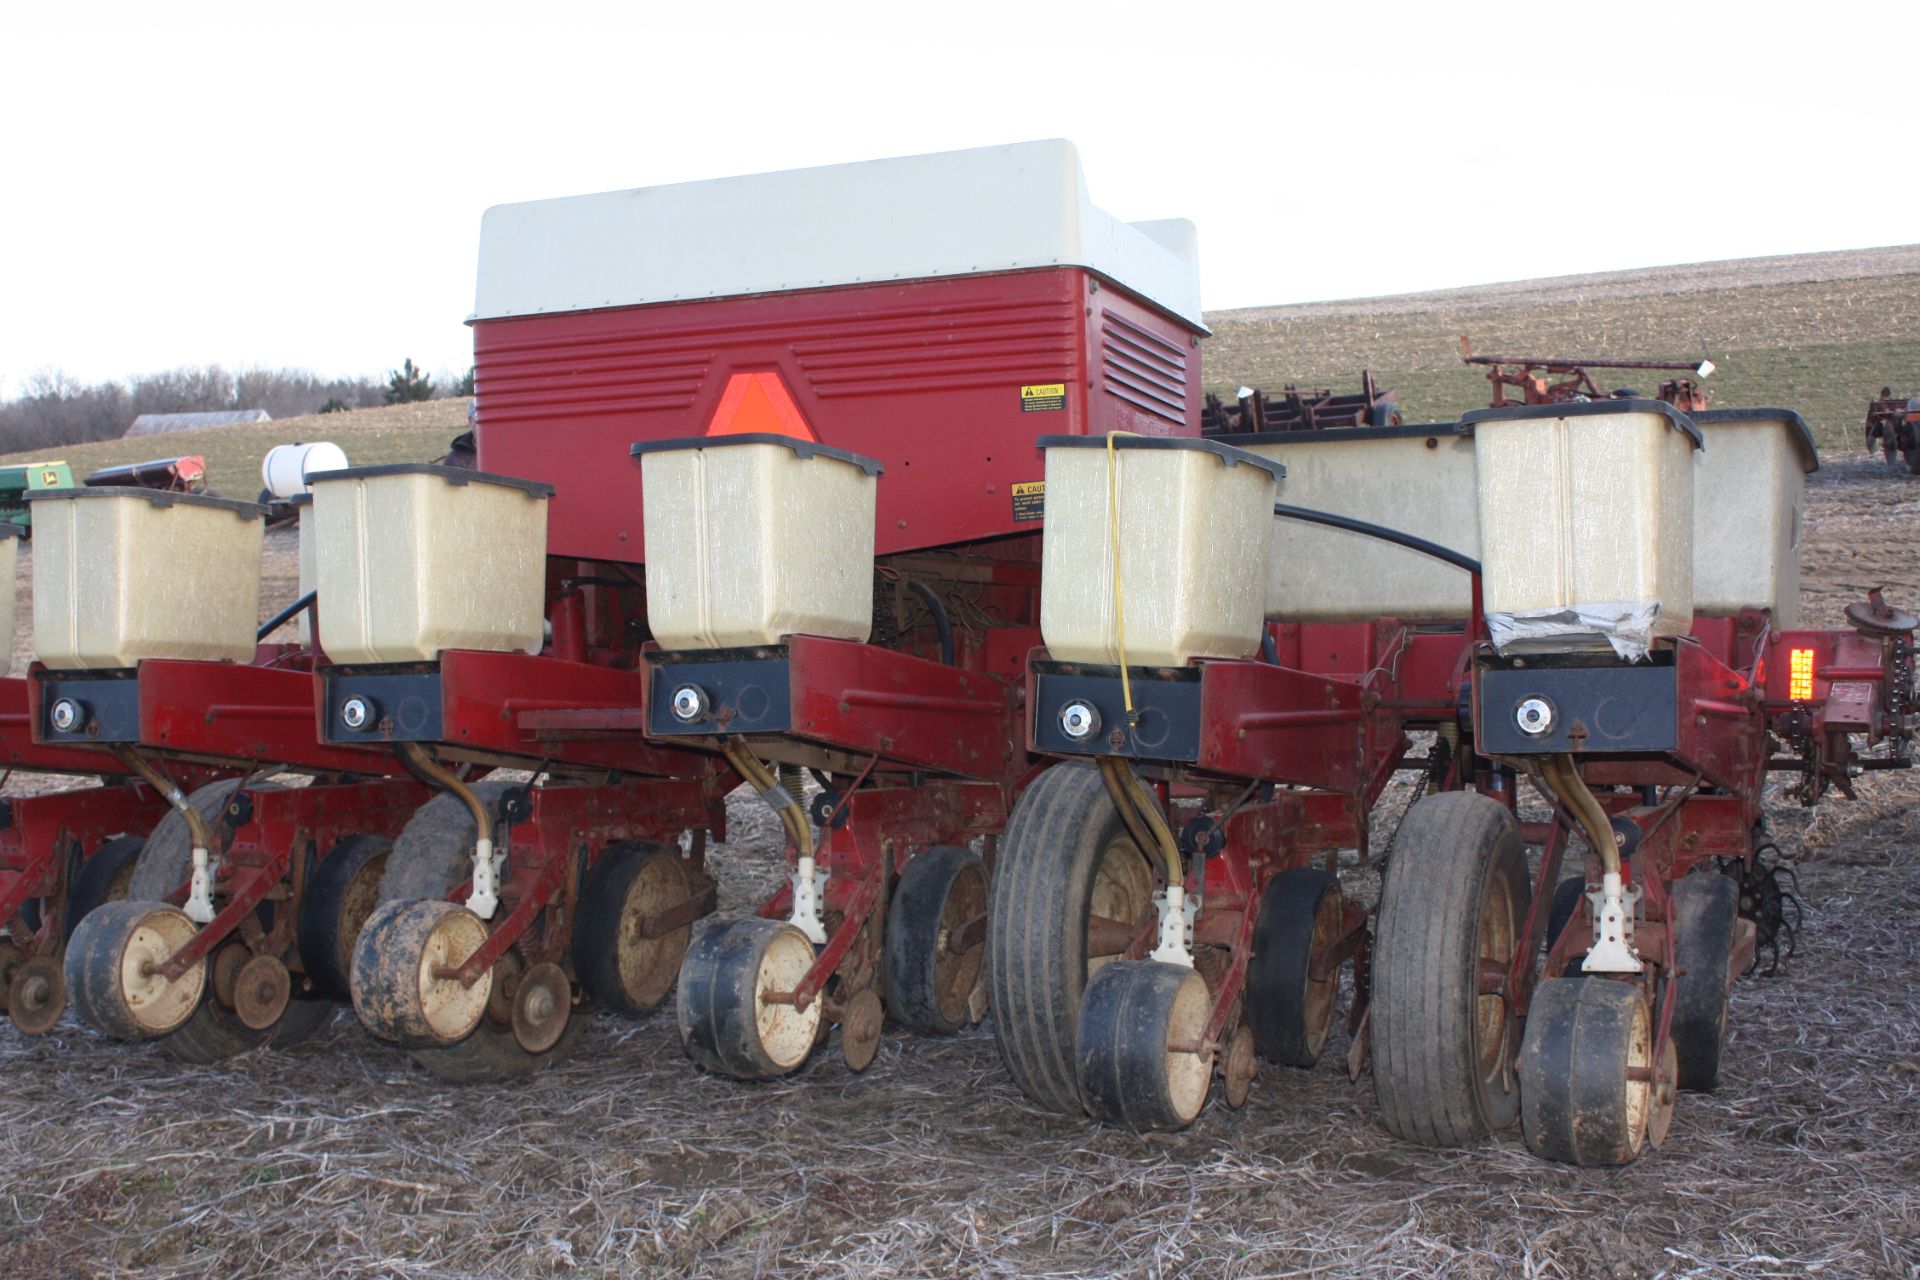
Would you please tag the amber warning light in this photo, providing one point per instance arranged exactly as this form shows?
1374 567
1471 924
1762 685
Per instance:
1800 675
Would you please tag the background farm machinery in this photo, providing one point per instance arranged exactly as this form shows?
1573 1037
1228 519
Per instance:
1555 380
1893 424
1297 410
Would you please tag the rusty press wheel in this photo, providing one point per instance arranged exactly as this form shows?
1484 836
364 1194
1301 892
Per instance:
396 989
1585 1036
932 962
113 970
727 1022
1069 891
1288 1009
1142 1060
1451 905
621 969
431 858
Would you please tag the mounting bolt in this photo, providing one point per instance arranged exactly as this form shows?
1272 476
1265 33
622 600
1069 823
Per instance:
689 703
68 715
1079 721
356 713
1534 716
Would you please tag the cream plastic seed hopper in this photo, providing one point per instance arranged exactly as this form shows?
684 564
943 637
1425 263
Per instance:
1586 524
1157 546
1416 479
755 537
413 559
120 575
1749 509
10 535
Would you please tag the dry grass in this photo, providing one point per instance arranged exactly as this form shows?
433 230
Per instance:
395 433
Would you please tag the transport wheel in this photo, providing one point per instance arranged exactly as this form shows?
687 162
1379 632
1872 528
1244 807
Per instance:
340 895
1911 454
1577 1104
1454 897
1142 1063
1568 896
104 877
620 969
433 856
931 972
215 1032
726 1023
36 995
112 969
1706 909
395 991
1290 1011
1069 889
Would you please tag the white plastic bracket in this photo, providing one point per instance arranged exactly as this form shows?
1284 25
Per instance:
485 898
1613 912
809 890
199 906
1176 926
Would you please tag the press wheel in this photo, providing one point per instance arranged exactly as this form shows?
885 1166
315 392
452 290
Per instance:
36 995
621 968
113 969
1289 1010
396 990
936 939
542 1004
726 1021
1579 1105
1142 1060
1241 1066
261 990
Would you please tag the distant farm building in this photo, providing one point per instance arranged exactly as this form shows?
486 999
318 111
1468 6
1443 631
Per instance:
154 424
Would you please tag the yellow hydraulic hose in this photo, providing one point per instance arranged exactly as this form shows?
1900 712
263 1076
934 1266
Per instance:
445 779
197 825
792 817
1574 792
1129 793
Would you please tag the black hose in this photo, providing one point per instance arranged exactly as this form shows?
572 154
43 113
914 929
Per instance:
940 622
281 618
1267 649
1381 532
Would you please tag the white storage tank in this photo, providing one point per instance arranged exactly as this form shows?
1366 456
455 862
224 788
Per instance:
1188 565
755 537
1415 479
1586 523
10 535
412 559
125 574
1749 511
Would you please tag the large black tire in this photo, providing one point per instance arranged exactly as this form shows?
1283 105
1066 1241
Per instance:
1289 1013
1135 1011
621 970
104 877
1706 909
166 859
1584 1034
215 1033
1456 888
433 854
1065 855
1912 456
340 895
929 987
725 1026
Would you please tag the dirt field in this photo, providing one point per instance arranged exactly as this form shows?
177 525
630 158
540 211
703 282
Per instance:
338 1157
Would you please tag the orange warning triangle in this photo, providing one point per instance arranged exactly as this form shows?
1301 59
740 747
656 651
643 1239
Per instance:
759 402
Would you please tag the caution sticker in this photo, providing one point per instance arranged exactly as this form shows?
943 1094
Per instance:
1043 397
1029 499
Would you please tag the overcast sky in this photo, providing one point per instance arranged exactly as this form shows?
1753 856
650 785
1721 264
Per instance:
302 185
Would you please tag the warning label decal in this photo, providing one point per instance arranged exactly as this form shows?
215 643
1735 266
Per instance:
1029 499
1043 397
